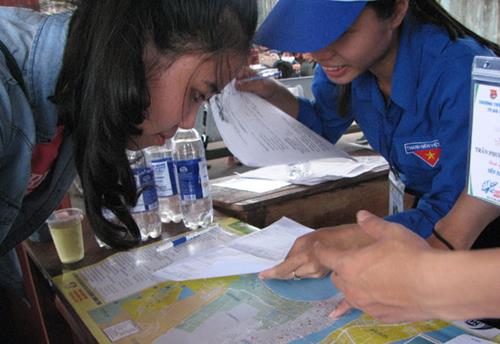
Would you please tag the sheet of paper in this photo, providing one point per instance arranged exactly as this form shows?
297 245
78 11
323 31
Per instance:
252 185
319 171
131 271
249 254
259 134
467 339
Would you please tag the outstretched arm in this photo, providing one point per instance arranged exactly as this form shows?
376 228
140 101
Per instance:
465 221
401 278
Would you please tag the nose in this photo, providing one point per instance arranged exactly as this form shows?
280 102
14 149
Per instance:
188 120
323 54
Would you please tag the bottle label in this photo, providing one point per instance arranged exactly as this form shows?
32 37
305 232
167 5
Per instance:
164 177
144 180
193 179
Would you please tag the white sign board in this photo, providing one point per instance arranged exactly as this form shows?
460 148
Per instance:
484 154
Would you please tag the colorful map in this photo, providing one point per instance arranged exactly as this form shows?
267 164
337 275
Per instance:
244 309
120 302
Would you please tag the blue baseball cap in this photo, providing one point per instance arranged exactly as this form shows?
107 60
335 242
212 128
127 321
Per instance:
307 25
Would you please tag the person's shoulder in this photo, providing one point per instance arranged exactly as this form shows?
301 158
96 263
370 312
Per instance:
19 15
438 43
18 25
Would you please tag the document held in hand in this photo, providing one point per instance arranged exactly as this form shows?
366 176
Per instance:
259 134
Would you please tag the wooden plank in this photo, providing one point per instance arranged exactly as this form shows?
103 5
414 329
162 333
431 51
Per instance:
334 208
231 198
314 206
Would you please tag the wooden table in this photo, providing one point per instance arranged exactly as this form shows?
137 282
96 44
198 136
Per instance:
326 204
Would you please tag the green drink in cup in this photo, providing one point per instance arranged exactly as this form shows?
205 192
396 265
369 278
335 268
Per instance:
65 227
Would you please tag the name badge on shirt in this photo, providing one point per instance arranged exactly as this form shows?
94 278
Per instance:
396 194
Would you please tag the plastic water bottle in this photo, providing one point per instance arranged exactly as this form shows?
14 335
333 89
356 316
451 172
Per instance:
159 159
192 178
145 213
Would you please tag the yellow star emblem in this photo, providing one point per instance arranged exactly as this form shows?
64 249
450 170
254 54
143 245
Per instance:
431 156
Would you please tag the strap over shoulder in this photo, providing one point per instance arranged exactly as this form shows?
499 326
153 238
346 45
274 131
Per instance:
13 67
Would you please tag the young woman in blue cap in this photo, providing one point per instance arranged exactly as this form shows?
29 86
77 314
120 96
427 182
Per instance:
77 89
401 70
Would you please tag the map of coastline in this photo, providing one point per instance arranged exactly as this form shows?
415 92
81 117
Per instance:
244 309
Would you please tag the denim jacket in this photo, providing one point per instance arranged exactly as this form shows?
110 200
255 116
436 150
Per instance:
36 42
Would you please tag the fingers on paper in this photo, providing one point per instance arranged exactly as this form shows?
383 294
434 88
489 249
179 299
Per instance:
327 256
342 308
284 270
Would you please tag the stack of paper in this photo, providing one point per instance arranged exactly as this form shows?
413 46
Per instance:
259 134
251 184
319 171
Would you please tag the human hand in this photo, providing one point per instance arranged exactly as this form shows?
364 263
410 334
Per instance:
247 80
301 260
383 278
268 89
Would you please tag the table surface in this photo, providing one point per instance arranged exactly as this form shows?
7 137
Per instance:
45 256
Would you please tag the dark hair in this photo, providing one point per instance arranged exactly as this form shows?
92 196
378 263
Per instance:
426 11
102 93
285 68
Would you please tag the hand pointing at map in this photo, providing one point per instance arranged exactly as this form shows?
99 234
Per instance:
382 279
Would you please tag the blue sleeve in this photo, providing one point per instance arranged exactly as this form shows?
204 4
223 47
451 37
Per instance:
321 114
449 108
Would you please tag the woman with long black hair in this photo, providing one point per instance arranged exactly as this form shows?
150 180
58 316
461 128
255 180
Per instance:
78 88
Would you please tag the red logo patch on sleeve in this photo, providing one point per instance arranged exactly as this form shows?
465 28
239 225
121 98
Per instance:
428 151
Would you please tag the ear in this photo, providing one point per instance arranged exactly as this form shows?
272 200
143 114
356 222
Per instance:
400 10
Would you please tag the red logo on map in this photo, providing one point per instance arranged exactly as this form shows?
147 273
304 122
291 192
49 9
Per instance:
429 151
493 93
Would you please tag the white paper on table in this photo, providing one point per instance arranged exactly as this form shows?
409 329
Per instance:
321 170
128 272
249 254
260 134
252 185
468 339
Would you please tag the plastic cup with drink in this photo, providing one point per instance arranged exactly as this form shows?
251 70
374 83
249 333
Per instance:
65 227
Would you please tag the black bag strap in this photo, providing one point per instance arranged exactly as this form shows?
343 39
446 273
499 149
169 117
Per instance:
13 67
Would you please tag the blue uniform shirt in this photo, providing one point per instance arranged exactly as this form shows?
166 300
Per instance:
422 129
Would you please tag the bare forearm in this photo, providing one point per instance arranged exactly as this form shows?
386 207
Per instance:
464 222
461 285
